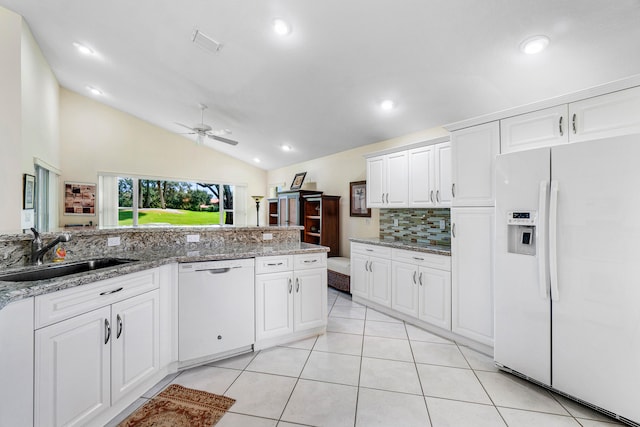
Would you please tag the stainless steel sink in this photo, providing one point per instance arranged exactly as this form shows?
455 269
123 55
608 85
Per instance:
61 270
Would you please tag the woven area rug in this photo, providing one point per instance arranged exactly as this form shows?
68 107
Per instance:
178 406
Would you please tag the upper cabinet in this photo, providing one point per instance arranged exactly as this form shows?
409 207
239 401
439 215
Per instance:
387 181
603 116
418 176
473 153
430 176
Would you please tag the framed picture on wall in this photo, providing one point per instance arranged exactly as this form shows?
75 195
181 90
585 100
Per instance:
28 191
358 199
296 184
79 198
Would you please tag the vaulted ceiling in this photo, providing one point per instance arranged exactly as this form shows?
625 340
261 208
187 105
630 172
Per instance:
318 89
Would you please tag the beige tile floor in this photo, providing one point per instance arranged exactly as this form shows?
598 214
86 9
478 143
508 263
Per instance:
372 370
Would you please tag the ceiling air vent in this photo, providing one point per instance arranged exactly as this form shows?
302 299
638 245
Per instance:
205 42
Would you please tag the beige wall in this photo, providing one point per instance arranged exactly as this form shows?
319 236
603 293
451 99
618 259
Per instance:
97 138
333 173
28 114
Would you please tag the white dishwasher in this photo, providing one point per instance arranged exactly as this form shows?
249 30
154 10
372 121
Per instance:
215 309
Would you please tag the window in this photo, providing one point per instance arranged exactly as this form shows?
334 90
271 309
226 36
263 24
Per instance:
46 207
132 201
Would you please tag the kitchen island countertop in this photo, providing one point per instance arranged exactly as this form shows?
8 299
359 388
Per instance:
150 258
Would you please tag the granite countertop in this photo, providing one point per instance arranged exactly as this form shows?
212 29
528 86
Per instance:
146 259
418 247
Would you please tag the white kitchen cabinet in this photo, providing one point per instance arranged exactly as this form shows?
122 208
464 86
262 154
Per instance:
542 128
86 361
472 273
293 298
387 180
16 363
421 286
430 176
604 116
371 273
473 152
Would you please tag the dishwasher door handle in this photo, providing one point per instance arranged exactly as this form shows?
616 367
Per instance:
215 270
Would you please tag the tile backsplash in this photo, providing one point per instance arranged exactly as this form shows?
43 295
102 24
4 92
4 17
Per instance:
416 226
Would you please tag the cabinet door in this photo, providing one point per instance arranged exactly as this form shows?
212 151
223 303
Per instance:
380 281
274 304
397 180
442 161
404 288
472 273
422 177
283 207
359 275
435 297
72 372
135 345
473 152
604 116
310 299
376 182
543 128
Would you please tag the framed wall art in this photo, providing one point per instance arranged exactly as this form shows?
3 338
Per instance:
358 199
28 191
79 198
296 184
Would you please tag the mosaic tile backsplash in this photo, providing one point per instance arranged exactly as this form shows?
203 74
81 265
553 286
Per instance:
416 226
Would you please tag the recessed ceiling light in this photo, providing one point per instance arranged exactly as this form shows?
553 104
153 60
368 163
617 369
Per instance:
535 44
256 160
387 105
94 90
286 147
281 27
83 49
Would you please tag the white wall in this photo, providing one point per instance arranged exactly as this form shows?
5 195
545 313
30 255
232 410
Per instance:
97 138
10 117
333 173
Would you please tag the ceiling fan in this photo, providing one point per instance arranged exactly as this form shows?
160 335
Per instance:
203 130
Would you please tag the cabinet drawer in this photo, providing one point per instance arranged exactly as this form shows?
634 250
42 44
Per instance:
440 262
274 264
315 260
57 306
374 250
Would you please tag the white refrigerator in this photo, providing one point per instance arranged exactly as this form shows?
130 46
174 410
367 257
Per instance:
567 268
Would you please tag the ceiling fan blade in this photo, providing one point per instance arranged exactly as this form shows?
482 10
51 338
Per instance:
221 139
184 126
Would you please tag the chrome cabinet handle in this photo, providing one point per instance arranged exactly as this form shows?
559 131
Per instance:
431 196
382 197
420 278
290 285
107 330
111 292
560 126
453 190
438 196
387 198
310 261
418 258
453 229
297 285
414 277
366 265
119 320
371 266
274 264
573 123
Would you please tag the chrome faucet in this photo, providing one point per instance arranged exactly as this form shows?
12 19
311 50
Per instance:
37 248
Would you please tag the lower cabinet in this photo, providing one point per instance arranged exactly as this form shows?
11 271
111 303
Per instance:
291 295
472 273
86 363
421 286
371 273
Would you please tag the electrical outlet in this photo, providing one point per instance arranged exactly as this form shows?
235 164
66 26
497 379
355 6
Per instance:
193 238
395 222
267 236
113 241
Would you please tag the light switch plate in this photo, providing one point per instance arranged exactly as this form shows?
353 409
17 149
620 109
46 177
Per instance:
193 238
113 241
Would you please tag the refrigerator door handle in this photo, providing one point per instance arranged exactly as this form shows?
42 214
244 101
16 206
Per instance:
543 276
553 229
